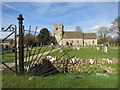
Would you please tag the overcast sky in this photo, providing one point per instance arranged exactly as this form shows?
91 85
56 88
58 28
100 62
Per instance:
87 15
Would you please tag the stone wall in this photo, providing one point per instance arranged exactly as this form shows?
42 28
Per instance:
78 41
72 41
90 41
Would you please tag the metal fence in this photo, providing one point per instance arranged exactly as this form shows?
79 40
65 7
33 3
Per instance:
34 59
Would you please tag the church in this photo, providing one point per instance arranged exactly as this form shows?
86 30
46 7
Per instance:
73 37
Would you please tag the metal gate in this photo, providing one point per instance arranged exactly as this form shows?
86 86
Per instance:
13 30
34 59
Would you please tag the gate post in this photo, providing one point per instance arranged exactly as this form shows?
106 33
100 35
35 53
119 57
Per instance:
21 45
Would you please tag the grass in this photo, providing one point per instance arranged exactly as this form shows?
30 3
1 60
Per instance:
8 52
84 53
87 80
87 53
61 81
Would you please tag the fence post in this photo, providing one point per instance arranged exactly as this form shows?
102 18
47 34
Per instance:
21 45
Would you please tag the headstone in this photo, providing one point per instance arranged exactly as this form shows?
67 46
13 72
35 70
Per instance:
102 47
105 49
61 50
98 48
51 43
78 48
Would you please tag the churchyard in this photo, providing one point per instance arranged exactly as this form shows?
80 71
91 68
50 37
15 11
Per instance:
59 45
89 68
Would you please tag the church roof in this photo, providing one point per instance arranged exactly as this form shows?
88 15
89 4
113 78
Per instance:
72 34
90 36
77 34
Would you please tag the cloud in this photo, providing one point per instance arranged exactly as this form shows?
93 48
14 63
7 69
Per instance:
46 14
109 26
95 28
70 30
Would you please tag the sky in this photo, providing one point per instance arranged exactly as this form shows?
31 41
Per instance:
87 15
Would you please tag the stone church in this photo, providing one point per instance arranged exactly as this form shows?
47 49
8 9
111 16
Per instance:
73 37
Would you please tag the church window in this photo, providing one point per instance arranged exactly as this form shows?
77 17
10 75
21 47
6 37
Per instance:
56 28
67 43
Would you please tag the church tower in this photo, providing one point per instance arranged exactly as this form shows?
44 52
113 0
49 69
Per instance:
58 32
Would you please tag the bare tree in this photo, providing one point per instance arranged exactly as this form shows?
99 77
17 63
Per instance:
78 28
115 28
103 35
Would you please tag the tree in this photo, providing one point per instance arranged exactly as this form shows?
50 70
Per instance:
103 35
43 38
78 28
115 29
29 39
116 26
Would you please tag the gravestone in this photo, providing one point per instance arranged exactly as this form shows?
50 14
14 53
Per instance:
78 48
101 47
98 48
61 50
105 49
51 44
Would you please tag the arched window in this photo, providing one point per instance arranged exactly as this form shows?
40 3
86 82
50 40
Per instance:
71 44
67 43
56 28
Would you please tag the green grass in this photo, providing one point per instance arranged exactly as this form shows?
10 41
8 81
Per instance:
87 80
8 52
84 53
61 81
87 53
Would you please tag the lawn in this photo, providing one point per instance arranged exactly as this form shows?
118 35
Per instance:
87 53
10 58
68 80
61 81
